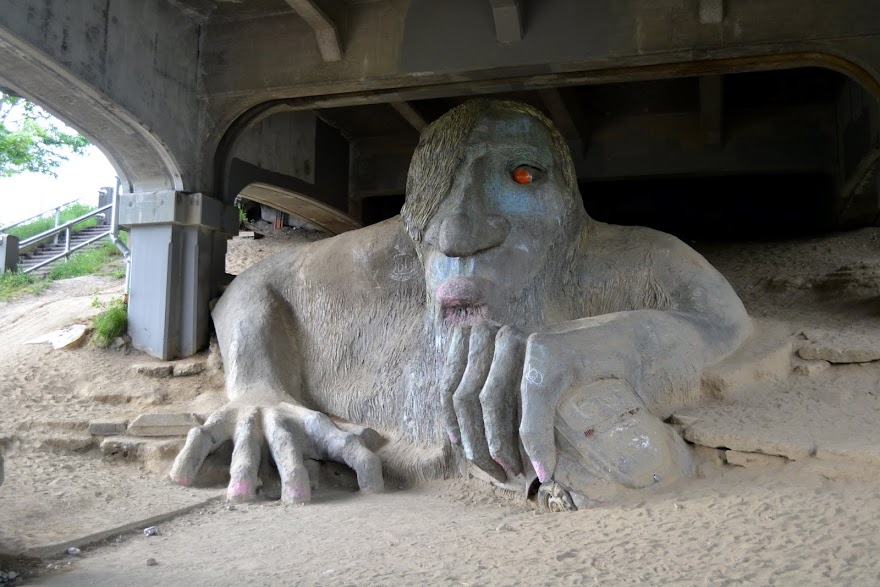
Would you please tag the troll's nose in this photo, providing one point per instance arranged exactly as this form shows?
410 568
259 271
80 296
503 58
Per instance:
461 236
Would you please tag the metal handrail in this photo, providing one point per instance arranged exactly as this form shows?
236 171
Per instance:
67 250
40 215
63 228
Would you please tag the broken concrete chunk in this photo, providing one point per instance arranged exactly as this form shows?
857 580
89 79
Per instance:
753 460
748 439
67 338
810 368
163 424
107 427
854 451
154 369
188 368
67 442
840 348
245 235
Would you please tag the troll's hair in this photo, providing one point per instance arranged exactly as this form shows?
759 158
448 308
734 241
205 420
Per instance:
441 151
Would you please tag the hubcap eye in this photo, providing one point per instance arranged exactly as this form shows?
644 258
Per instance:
522 175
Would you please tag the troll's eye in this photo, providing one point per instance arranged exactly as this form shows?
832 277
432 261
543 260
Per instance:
522 175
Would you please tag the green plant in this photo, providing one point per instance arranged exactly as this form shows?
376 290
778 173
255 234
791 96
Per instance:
242 215
45 223
33 140
110 323
86 262
14 284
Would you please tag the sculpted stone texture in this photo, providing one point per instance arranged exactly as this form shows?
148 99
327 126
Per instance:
492 322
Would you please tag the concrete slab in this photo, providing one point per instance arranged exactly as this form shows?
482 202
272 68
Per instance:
157 370
188 368
67 338
108 427
840 347
163 424
753 460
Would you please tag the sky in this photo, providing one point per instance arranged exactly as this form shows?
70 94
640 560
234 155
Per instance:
80 176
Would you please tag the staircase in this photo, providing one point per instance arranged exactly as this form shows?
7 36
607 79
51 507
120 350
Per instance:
49 250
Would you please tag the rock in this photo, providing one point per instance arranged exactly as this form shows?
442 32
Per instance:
151 531
107 427
118 343
73 551
12 575
245 235
189 368
709 455
682 421
67 442
748 430
151 562
153 369
852 451
66 338
842 348
163 424
810 368
753 460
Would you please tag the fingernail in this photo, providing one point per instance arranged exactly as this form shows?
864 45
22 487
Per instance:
183 480
541 471
240 488
298 493
452 437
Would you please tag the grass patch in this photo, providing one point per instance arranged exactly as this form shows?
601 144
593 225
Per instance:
88 262
14 284
110 323
40 225
99 260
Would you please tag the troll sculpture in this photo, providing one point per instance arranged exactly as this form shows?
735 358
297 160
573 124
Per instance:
492 323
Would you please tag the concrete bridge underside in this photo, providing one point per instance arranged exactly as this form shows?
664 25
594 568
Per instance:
679 113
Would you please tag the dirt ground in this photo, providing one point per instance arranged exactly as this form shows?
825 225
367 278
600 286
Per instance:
805 508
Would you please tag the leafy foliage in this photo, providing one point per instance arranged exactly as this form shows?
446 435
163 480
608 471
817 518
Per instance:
110 323
32 140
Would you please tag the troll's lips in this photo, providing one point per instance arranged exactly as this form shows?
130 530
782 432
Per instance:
459 292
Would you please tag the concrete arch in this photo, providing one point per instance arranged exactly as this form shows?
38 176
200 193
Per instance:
140 158
754 59
309 209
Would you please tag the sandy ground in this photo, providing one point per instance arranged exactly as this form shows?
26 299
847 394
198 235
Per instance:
799 521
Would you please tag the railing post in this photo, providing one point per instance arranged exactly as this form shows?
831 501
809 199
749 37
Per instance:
57 221
67 243
9 252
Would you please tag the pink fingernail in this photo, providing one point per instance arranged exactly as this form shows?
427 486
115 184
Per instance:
452 437
298 492
541 471
240 488
183 480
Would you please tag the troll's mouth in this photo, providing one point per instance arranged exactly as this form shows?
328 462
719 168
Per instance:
465 315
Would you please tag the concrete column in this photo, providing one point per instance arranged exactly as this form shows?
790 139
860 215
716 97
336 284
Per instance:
105 196
178 250
9 252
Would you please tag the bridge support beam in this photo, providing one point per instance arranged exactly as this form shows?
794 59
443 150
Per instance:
178 252
8 252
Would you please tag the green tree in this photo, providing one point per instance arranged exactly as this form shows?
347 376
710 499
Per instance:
33 140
